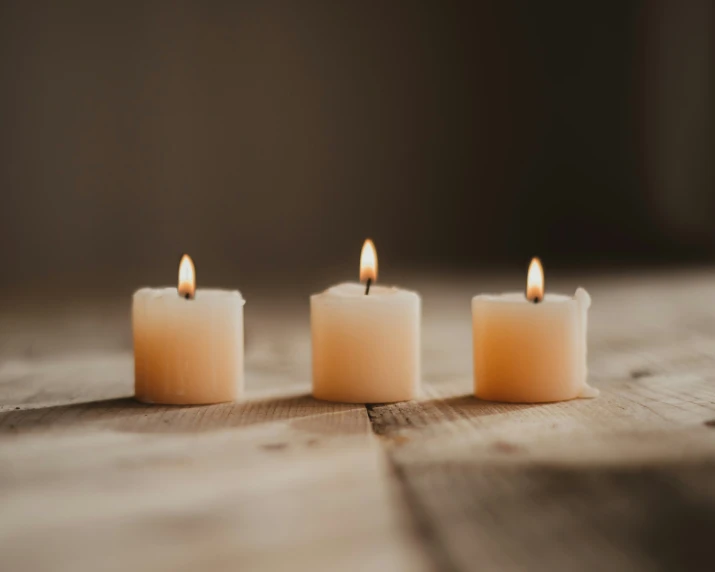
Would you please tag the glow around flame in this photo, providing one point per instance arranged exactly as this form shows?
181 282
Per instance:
368 262
187 277
535 281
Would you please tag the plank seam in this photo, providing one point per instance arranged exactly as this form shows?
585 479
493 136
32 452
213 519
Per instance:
419 517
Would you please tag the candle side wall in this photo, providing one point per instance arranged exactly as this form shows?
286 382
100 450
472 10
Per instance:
525 352
188 351
366 350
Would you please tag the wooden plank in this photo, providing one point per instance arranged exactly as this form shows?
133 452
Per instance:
583 484
623 482
291 481
91 480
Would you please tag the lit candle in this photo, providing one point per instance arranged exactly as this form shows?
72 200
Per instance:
188 343
531 348
366 339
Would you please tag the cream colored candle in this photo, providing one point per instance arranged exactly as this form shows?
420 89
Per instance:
366 340
531 349
188 343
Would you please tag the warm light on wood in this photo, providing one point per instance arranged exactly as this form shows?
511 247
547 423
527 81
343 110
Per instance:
535 281
187 277
368 262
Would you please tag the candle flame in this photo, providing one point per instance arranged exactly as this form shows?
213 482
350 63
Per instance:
535 281
187 277
368 262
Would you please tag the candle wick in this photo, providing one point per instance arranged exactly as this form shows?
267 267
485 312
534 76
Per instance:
367 286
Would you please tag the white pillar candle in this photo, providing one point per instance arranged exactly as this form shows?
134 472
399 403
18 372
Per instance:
366 340
531 349
188 343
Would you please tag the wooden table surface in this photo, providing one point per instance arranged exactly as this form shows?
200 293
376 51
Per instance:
91 480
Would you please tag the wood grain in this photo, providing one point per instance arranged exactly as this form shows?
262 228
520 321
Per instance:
623 482
91 480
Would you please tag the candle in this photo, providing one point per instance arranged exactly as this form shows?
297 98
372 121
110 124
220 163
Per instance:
531 349
366 339
188 343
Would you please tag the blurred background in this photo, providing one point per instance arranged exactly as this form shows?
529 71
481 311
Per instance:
268 139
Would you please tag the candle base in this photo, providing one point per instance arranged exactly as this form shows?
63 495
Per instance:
533 401
538 396
149 401
333 398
